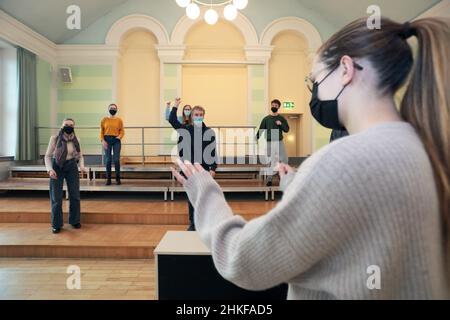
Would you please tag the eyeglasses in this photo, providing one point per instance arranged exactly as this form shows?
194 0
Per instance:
310 83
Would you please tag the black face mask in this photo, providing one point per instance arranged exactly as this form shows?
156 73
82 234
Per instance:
274 110
325 112
68 129
112 112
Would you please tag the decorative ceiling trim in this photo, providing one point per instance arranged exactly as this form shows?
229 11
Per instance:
19 34
302 26
242 23
136 21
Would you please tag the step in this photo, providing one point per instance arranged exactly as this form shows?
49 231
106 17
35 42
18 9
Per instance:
136 186
35 240
118 211
159 186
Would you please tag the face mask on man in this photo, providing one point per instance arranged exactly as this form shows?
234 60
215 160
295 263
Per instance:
112 112
68 129
274 109
198 121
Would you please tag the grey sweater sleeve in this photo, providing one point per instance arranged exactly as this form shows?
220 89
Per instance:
278 246
286 181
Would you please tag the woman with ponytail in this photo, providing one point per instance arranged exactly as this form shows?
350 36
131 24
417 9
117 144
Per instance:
366 217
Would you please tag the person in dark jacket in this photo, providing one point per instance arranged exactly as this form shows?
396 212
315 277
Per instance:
197 144
337 134
273 126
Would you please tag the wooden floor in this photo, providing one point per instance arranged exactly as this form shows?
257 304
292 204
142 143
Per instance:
45 279
92 241
114 248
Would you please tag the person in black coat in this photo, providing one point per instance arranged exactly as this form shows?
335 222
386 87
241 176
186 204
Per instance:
197 144
337 134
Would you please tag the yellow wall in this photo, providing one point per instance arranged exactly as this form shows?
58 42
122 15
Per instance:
139 83
287 70
221 89
222 41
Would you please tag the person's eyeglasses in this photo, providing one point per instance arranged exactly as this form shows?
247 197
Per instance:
310 82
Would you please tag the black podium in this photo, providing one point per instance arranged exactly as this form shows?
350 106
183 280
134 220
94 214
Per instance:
185 271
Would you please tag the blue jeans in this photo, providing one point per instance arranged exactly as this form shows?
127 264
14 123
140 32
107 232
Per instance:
69 171
114 147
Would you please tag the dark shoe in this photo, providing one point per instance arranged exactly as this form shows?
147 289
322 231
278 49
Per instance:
108 182
56 230
118 182
77 226
269 183
191 228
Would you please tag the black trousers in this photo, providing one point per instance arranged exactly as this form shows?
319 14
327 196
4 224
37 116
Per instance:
68 172
191 216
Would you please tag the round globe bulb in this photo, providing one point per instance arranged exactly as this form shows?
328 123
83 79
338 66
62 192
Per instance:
230 12
211 16
240 4
193 11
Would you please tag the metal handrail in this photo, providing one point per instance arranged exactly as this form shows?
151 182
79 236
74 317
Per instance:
143 143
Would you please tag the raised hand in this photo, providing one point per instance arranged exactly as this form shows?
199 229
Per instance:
188 169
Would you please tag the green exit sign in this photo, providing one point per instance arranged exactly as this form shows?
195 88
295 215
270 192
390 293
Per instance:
288 105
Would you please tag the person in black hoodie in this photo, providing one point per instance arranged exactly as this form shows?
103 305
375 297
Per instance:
197 144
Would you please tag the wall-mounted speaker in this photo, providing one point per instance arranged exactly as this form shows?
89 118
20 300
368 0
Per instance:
66 74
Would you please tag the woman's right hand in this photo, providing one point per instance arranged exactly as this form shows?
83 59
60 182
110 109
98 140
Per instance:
53 174
105 144
284 169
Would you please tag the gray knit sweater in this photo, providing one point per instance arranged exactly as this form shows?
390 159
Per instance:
365 200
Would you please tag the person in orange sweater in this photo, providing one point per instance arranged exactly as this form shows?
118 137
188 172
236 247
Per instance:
111 134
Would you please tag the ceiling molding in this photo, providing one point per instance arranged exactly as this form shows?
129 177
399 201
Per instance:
136 21
296 24
85 53
19 34
242 23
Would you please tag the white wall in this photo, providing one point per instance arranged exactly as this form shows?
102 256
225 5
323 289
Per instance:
8 100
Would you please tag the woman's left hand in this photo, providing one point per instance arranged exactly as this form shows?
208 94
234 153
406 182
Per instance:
188 169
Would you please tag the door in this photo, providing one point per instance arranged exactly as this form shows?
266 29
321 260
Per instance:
291 138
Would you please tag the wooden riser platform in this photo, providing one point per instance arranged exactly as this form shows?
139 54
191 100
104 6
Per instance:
128 228
92 241
163 187
18 210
